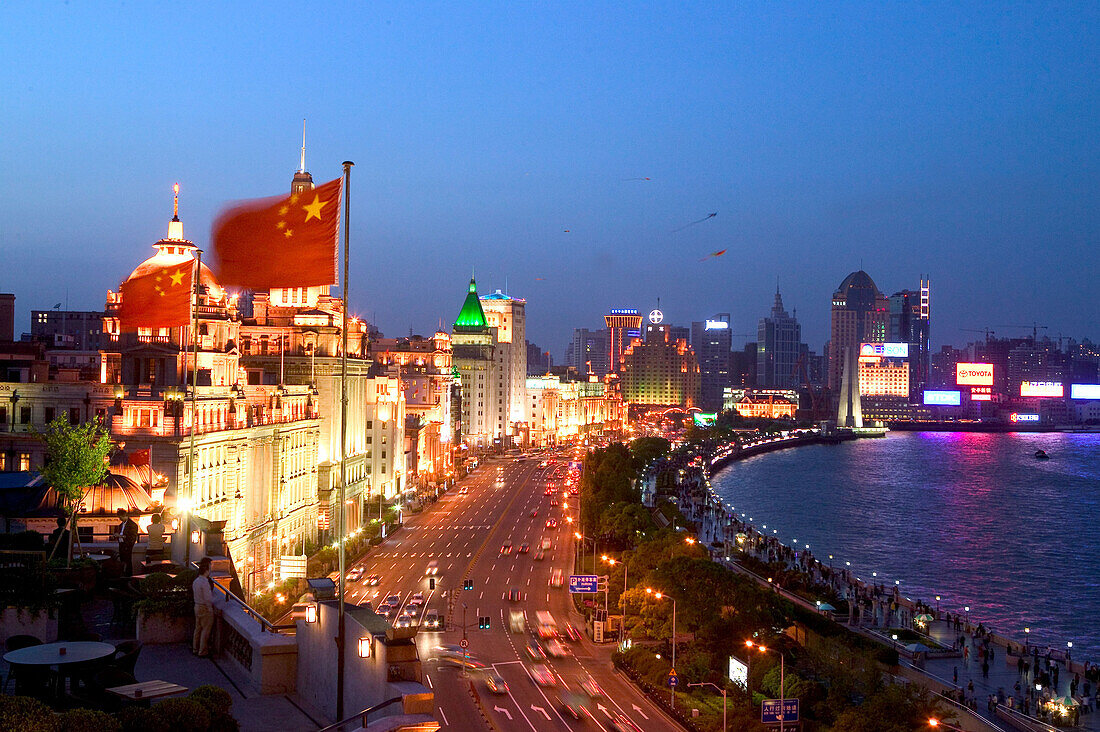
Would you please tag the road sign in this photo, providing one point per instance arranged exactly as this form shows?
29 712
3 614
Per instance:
673 679
583 583
772 712
464 643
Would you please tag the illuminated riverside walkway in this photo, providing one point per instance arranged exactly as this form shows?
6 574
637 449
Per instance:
986 691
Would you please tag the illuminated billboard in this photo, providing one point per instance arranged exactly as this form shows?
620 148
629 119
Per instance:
1018 417
945 398
974 374
716 325
1041 389
886 350
705 419
981 394
1084 391
739 673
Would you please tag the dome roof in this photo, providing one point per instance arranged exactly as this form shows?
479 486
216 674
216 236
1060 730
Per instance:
171 252
471 316
858 291
116 491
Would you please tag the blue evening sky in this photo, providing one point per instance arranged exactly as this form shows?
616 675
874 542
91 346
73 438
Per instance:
958 140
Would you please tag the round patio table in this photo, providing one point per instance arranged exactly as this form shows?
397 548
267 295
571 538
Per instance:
49 654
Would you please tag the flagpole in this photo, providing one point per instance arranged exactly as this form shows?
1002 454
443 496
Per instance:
195 284
340 640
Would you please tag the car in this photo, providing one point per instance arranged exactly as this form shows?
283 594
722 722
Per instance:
410 611
432 620
573 703
432 568
393 600
549 491
405 621
355 573
447 649
471 664
556 649
540 554
417 599
545 545
572 633
557 579
524 548
552 523
516 621
542 675
496 684
387 611
534 650
622 723
591 687
514 595
463 490
506 548
373 580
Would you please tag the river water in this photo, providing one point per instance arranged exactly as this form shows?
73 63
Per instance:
972 517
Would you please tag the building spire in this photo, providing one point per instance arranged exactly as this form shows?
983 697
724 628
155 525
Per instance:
302 164
175 226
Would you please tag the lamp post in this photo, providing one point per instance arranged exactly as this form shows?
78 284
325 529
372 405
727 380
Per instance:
782 679
612 561
937 724
721 689
659 596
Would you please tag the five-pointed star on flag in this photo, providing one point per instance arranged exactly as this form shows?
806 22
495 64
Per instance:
313 210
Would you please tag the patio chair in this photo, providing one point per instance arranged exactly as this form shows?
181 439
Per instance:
25 676
126 656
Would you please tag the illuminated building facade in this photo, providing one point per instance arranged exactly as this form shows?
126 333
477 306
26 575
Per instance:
778 345
256 444
508 316
623 326
767 406
480 374
881 376
563 407
660 371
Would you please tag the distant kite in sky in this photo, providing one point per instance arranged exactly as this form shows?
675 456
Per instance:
539 279
693 223
566 231
626 179
718 253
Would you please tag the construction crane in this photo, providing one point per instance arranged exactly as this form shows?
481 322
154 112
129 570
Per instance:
988 330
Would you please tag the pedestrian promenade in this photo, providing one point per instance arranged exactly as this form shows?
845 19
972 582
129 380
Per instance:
979 680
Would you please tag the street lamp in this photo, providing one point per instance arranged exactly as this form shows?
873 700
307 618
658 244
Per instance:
659 596
936 723
782 679
721 689
612 561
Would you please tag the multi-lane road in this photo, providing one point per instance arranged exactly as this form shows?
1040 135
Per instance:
464 534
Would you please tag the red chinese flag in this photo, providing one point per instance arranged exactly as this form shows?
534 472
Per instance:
160 299
284 241
139 457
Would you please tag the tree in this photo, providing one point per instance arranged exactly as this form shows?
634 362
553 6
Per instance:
76 458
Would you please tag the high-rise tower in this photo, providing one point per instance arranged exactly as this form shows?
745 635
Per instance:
778 344
860 315
508 315
623 326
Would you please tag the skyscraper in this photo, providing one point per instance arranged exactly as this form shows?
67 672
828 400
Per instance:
623 325
508 315
711 340
909 323
588 351
860 315
778 344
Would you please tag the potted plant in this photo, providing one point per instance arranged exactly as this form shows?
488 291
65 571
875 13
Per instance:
165 613
28 602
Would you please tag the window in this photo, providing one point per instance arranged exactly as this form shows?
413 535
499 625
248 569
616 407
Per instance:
24 461
74 415
49 414
24 415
